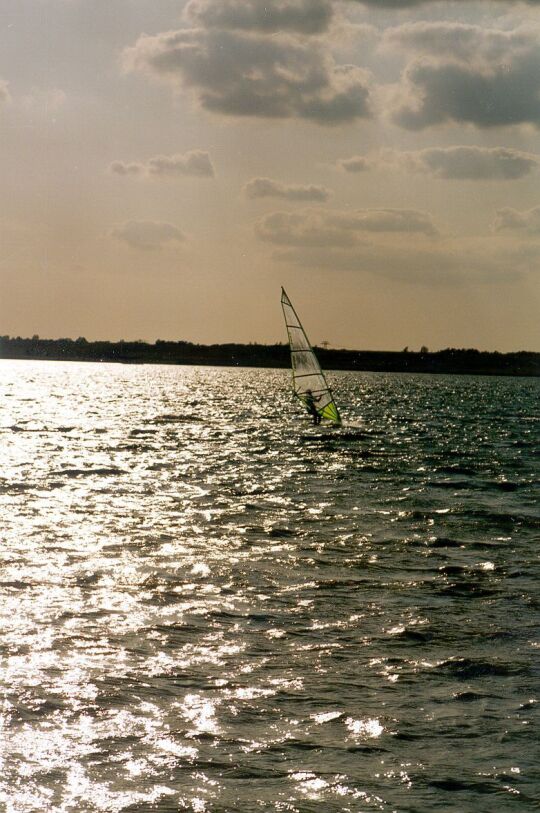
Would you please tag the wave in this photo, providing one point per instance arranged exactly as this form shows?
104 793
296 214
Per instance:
471 668
103 471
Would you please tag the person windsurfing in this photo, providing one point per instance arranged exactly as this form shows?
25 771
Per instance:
310 401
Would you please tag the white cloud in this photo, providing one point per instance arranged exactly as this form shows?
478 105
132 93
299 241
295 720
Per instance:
147 235
268 188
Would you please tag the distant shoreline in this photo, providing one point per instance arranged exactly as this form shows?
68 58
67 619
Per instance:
452 361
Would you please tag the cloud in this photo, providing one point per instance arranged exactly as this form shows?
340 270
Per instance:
393 3
459 41
239 74
4 91
508 219
399 4
456 93
121 168
340 229
300 16
357 163
306 229
446 263
147 235
431 266
267 188
467 163
467 74
46 101
194 163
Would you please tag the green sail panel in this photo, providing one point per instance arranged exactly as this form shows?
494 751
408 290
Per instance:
306 370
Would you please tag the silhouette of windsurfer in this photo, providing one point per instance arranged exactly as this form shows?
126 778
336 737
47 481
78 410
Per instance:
310 400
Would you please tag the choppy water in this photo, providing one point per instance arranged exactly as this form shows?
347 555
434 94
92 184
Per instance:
209 605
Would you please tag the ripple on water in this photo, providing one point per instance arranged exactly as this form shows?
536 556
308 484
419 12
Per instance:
206 608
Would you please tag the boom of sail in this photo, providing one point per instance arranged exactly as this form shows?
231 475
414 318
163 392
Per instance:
306 370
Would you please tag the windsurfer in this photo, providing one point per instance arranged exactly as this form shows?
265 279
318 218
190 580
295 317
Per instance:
310 401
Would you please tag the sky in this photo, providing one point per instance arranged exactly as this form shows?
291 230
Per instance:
167 165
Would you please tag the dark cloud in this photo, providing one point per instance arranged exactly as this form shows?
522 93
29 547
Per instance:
503 96
301 16
393 3
511 219
340 229
267 188
195 163
399 4
121 168
239 74
147 235
469 163
357 163
467 74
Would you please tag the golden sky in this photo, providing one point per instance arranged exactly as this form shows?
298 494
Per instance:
166 166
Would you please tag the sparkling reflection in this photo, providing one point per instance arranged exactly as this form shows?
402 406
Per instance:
204 606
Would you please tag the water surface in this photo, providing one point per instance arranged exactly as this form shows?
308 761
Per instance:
209 605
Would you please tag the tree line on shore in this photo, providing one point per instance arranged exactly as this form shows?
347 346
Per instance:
451 360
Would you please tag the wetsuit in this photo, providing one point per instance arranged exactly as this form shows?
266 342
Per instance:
312 409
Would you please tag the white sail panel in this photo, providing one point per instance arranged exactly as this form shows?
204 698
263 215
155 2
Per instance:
306 370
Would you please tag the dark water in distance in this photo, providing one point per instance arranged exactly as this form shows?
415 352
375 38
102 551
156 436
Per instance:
209 605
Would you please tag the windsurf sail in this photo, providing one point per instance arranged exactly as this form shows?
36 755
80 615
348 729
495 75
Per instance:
306 370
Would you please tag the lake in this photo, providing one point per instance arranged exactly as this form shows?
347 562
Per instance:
210 605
